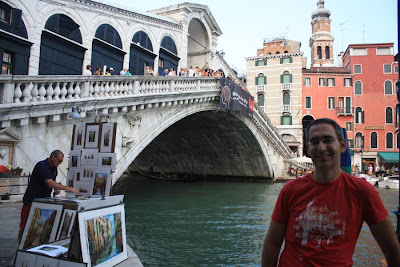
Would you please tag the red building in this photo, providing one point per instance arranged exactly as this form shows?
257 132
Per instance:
375 72
327 93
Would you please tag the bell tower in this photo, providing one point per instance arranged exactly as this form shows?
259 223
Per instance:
321 41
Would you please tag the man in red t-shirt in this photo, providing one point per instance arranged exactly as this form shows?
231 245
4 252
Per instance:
320 215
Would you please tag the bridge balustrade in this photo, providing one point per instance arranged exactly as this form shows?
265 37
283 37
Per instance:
35 96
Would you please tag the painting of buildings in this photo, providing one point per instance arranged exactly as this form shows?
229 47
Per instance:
66 224
40 227
104 237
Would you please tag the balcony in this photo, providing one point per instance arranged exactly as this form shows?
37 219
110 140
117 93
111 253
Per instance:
286 86
260 88
345 111
286 109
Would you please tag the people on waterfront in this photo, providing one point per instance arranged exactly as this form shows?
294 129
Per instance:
382 171
320 215
86 71
41 184
377 170
165 73
370 169
124 71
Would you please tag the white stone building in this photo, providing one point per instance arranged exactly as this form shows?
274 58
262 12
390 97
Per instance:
63 36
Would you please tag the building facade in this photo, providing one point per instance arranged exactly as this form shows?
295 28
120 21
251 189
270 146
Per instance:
375 72
274 78
61 37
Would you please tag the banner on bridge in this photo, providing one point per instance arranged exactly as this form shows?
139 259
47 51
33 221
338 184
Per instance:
234 98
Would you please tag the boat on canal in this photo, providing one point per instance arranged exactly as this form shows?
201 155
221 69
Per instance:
169 177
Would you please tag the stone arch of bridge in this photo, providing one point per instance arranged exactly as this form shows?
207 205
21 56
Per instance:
248 150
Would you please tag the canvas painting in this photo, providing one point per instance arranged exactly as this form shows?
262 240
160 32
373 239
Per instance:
73 176
102 182
108 160
67 222
92 135
78 136
41 226
103 236
89 156
108 131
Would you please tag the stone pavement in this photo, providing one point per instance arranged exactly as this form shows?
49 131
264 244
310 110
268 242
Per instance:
9 227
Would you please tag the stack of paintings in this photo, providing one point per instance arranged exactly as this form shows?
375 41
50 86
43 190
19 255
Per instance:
92 158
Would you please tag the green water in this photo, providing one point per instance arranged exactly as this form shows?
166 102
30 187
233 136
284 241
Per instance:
211 223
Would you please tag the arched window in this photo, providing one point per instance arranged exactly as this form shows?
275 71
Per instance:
261 79
142 39
359 140
388 88
260 99
169 44
286 99
319 52
64 26
286 77
389 140
277 52
359 115
327 52
374 140
389 115
358 88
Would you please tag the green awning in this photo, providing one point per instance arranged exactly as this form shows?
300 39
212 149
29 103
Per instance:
389 157
351 153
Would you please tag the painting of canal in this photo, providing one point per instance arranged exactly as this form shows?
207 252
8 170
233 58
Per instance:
104 237
40 227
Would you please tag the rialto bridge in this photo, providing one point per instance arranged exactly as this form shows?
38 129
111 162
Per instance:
171 123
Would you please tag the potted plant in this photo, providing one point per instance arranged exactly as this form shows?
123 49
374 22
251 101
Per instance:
4 171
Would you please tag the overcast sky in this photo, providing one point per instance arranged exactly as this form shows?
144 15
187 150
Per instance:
245 24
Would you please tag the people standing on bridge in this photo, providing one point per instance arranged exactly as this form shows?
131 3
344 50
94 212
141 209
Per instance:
97 72
41 183
165 73
191 71
320 215
87 72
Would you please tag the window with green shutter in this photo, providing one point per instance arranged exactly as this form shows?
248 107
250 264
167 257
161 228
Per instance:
261 79
285 60
261 62
286 77
308 101
286 120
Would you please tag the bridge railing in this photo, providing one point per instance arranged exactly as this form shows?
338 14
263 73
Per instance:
38 88
265 124
25 98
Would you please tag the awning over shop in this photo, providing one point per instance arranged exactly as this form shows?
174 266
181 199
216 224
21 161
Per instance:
389 157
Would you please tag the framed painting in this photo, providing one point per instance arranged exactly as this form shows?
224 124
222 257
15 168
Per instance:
89 156
85 188
87 172
78 136
74 162
102 182
107 160
92 135
73 176
67 222
108 132
42 224
103 224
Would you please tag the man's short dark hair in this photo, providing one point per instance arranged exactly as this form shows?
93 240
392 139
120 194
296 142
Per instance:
56 153
339 130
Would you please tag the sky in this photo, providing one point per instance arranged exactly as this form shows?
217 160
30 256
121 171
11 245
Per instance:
245 24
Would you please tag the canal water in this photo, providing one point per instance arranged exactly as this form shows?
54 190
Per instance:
212 223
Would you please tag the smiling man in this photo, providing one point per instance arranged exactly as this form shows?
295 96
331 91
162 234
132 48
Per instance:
320 215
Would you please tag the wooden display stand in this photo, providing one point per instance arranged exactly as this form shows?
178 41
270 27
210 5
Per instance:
95 230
